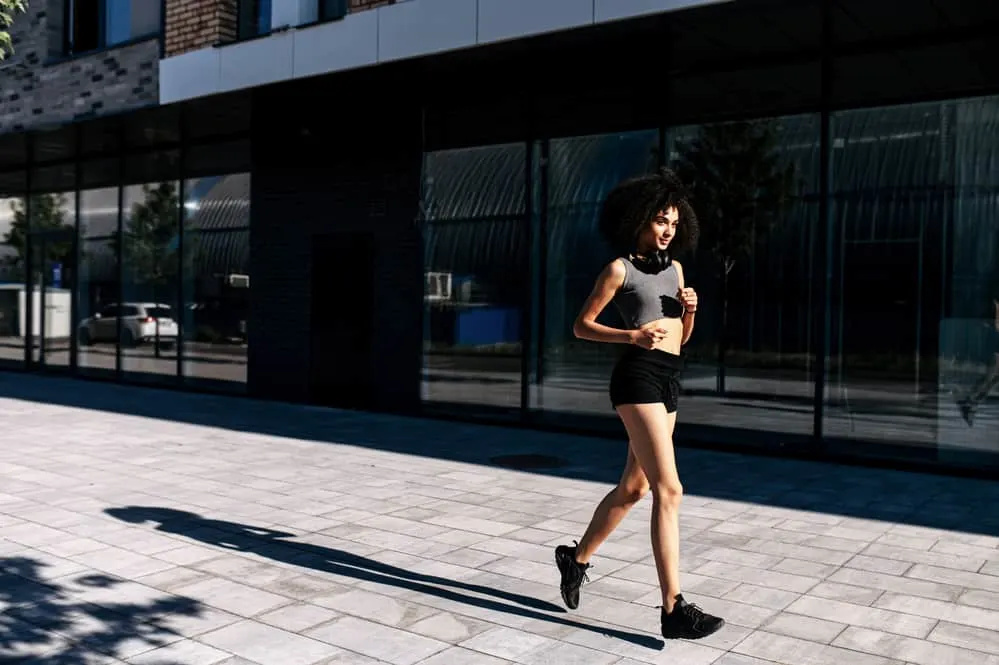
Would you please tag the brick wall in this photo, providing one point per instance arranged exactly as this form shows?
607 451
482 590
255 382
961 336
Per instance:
39 86
196 24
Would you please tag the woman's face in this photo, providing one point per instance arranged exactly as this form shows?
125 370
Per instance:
660 231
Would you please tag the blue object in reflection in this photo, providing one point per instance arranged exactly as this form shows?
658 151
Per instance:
486 325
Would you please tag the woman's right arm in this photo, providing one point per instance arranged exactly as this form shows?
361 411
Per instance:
586 327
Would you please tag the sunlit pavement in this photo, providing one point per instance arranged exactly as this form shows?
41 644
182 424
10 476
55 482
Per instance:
155 527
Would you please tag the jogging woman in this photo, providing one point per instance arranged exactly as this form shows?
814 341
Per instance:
647 220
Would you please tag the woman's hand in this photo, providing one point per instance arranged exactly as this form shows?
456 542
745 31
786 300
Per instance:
689 299
648 337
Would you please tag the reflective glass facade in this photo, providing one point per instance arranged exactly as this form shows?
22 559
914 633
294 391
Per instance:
891 328
127 264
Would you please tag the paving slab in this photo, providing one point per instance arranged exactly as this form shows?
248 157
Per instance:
155 527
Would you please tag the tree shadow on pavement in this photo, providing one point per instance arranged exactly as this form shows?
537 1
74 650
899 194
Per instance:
272 545
52 622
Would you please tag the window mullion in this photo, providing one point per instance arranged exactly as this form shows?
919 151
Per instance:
102 23
69 31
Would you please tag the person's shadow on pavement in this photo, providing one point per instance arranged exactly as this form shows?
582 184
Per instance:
271 544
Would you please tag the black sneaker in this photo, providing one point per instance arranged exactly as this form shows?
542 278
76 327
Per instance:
688 622
573 574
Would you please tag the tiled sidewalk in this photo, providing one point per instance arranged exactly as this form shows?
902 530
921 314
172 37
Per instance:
215 530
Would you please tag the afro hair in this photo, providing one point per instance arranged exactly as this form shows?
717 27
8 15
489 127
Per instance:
634 202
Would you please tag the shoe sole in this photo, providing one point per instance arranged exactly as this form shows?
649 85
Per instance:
699 636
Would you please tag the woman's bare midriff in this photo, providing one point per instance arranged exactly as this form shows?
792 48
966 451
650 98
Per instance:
674 334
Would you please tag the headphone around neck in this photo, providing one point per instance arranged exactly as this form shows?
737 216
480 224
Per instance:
657 262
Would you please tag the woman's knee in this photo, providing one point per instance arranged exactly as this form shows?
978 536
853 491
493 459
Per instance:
668 493
632 493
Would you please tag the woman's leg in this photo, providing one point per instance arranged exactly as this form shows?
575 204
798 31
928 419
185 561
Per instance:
573 561
987 383
630 489
650 429
972 400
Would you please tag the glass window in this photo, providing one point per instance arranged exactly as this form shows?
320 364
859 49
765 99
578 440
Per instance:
886 235
53 273
573 374
101 136
915 250
216 280
209 118
476 275
750 362
118 20
254 18
156 126
330 10
83 26
13 154
129 19
98 286
13 222
95 24
214 158
743 59
886 52
751 352
50 145
149 253
100 173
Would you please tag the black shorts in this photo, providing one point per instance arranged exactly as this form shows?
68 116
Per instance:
646 377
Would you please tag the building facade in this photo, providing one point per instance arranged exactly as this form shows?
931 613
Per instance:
392 206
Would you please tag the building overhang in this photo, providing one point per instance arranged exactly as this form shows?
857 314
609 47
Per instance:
405 30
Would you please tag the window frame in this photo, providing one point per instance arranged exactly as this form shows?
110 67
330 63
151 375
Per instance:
253 19
332 10
69 21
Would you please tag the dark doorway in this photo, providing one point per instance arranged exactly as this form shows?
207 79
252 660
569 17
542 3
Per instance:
342 326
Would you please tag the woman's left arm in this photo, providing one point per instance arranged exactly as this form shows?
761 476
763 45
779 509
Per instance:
689 299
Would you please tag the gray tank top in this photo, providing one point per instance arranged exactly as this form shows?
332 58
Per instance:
645 297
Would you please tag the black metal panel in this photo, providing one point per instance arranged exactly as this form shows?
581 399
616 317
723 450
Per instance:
319 173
